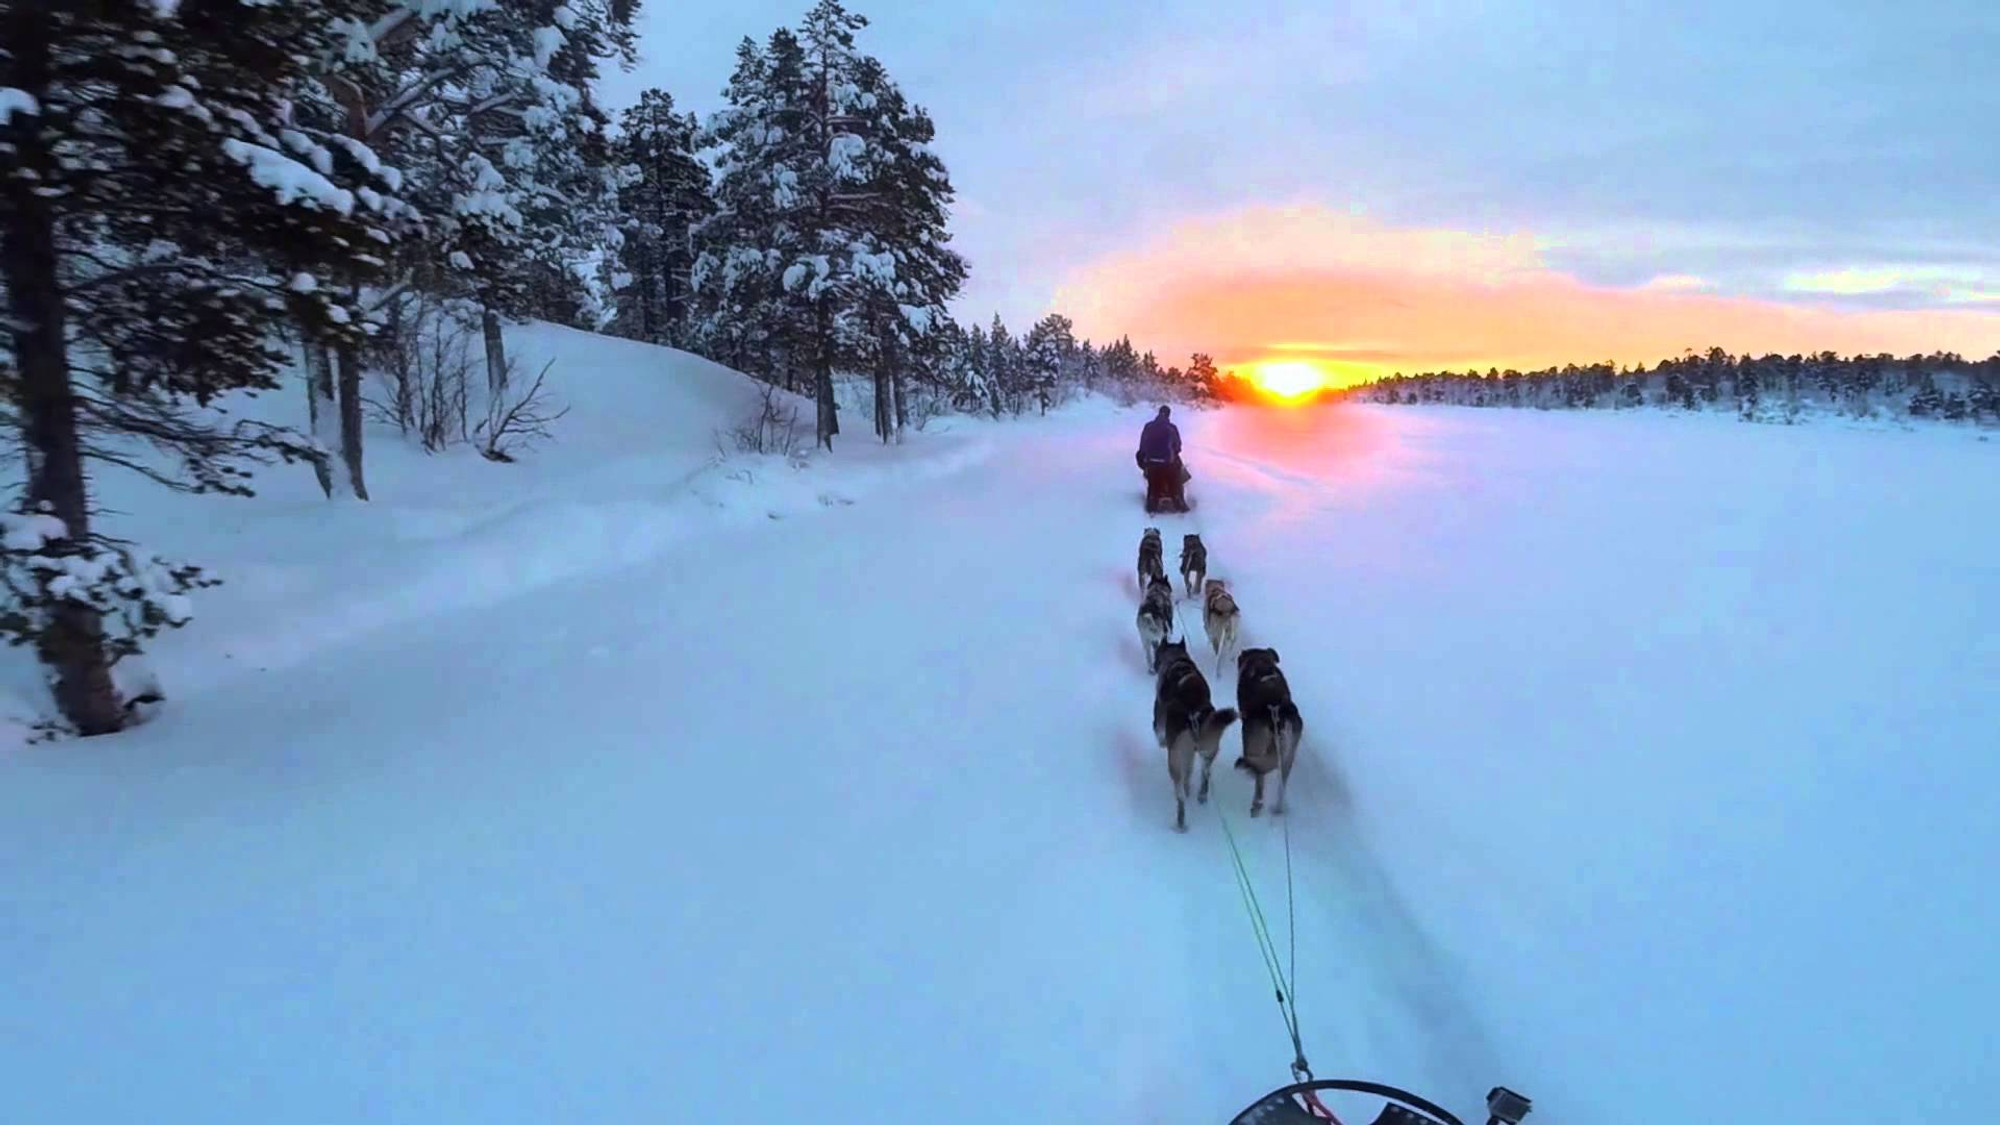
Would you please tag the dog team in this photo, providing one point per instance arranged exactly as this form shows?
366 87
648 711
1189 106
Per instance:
1185 720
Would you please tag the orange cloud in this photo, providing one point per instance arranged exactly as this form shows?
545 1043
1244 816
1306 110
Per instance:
1365 298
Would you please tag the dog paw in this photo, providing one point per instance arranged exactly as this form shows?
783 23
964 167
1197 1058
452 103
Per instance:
1256 810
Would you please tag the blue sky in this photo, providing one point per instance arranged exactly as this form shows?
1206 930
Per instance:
1841 155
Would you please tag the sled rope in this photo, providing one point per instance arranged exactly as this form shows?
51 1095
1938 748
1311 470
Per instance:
1283 981
1267 947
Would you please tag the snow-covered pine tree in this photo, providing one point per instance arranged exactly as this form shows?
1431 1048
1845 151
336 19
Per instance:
1089 366
664 195
1151 377
1984 398
1926 401
1201 377
903 207
1121 369
842 256
156 220
982 380
1632 390
744 318
487 107
1050 346
1006 369
538 120
828 248
1749 390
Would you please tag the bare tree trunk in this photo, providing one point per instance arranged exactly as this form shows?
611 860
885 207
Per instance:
72 646
828 413
320 411
885 376
496 352
882 423
350 419
673 281
649 328
406 377
899 389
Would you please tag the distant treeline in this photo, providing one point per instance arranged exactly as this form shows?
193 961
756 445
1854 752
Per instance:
1768 388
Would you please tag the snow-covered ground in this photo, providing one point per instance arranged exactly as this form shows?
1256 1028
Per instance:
1649 771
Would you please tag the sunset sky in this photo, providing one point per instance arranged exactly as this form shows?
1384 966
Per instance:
1383 185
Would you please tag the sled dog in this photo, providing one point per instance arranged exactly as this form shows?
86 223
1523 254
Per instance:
1219 618
1186 723
1271 723
1194 564
1156 619
1152 558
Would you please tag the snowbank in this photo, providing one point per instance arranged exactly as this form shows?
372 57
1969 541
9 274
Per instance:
643 459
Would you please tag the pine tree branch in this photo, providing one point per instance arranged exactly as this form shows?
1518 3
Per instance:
397 106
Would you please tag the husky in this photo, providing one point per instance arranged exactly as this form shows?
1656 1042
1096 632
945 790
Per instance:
1186 723
1194 563
1271 723
1156 619
1219 618
1152 558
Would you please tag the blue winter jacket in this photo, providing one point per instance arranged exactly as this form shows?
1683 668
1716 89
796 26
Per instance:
1159 442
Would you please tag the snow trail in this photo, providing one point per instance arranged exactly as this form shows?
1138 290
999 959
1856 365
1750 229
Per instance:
857 812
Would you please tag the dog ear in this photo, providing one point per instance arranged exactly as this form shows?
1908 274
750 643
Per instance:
1274 654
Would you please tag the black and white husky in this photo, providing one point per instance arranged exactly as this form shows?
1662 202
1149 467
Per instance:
1152 558
1194 564
1187 724
1156 619
1271 723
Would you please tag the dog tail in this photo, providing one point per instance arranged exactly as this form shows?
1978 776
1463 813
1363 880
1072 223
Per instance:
1214 724
1277 732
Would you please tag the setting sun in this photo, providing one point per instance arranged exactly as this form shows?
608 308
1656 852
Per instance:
1289 378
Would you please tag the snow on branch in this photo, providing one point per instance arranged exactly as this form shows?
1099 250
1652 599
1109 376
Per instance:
293 181
41 567
13 101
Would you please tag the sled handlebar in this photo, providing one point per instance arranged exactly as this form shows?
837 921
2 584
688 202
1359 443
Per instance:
1281 1106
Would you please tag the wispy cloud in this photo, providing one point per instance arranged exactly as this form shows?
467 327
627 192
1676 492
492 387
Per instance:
1677 283
1946 284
